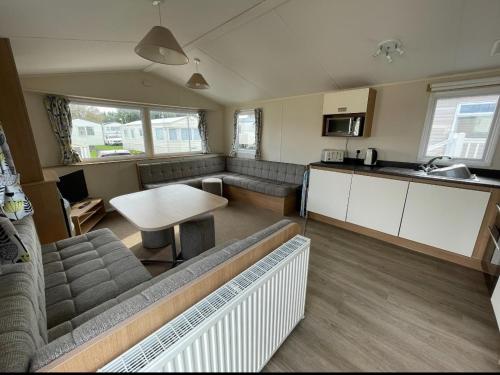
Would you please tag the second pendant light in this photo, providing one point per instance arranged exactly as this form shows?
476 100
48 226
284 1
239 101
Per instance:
197 81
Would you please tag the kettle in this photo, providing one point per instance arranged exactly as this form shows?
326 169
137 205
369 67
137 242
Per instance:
371 156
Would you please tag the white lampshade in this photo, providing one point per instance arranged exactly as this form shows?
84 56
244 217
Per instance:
160 46
197 82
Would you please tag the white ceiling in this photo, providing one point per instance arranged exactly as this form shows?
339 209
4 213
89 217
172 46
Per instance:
256 49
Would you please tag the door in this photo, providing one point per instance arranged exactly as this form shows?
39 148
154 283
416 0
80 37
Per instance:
329 193
444 217
377 203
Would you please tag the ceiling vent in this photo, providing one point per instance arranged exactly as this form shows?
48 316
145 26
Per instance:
495 50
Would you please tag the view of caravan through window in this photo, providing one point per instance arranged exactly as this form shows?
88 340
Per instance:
100 131
246 131
462 127
175 131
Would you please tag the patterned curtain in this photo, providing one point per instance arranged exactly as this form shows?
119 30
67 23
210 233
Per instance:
234 146
258 133
60 119
202 128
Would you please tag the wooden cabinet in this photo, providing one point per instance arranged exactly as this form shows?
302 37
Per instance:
329 193
349 101
377 203
444 217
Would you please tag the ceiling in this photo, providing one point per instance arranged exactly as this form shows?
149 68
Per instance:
258 49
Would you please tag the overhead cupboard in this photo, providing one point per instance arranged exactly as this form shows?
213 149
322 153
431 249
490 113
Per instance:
438 219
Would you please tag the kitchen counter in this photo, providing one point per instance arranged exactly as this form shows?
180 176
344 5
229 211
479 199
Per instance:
409 172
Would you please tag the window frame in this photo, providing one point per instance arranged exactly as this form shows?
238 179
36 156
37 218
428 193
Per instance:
491 141
178 131
95 103
147 128
239 150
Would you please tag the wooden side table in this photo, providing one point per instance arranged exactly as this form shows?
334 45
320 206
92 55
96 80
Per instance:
86 214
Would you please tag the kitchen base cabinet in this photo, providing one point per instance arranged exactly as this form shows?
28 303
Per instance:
444 217
377 203
329 193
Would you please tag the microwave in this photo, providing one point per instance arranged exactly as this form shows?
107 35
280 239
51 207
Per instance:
344 125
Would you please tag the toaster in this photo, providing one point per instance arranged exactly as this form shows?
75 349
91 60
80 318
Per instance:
332 156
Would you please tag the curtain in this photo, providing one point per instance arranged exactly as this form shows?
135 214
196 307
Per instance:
234 146
202 127
258 133
60 118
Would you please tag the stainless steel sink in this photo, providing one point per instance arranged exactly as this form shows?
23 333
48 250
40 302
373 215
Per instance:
459 171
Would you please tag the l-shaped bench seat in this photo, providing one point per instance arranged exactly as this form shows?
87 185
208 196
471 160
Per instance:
268 184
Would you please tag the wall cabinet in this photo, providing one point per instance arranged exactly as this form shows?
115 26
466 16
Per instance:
329 193
377 203
349 101
444 217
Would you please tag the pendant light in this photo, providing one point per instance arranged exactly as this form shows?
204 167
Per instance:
197 81
160 46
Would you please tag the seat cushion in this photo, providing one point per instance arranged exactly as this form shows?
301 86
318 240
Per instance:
261 185
192 181
269 170
84 272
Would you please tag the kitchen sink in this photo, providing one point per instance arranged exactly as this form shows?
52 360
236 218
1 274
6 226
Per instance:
459 171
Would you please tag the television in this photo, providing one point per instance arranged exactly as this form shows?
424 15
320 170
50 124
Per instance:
73 186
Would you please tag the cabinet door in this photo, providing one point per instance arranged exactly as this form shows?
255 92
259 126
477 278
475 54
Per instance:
444 217
328 193
377 203
350 101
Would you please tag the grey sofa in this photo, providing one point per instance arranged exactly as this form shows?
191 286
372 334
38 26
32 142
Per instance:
241 177
76 289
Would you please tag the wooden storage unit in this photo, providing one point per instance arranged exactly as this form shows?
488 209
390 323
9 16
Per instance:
86 216
429 216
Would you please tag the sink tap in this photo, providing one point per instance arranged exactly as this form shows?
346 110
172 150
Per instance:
429 166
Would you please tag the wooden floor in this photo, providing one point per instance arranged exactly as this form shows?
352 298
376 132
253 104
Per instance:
372 306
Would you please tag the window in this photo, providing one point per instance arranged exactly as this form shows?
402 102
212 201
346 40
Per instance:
92 137
172 134
463 125
170 122
159 134
246 131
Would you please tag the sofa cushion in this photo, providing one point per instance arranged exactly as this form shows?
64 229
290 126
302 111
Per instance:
261 185
148 293
23 323
84 272
167 171
269 170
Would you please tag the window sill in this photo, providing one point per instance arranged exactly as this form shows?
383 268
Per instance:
132 159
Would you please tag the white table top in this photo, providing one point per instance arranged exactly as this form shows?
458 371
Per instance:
164 207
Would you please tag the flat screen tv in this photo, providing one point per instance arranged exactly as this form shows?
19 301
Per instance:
73 186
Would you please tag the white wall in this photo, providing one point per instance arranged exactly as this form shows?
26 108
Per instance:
136 87
292 126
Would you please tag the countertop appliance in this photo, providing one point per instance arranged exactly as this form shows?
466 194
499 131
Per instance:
332 156
371 156
343 125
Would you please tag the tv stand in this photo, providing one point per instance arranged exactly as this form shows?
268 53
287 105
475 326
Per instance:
86 214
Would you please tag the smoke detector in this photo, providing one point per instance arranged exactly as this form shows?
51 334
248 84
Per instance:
495 50
388 48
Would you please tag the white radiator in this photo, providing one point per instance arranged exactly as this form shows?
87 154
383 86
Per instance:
236 328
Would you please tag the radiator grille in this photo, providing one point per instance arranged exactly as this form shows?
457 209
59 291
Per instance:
234 328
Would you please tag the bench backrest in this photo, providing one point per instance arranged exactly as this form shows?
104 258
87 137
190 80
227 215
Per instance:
23 318
170 170
270 170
